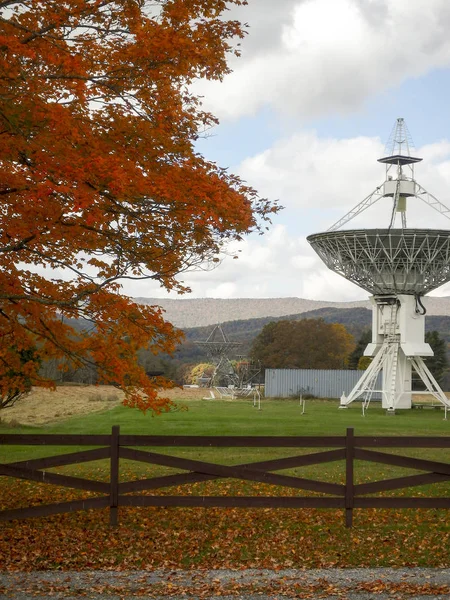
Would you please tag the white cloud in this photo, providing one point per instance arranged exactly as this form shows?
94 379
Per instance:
323 284
323 56
310 173
320 180
310 58
316 190
223 290
291 269
301 262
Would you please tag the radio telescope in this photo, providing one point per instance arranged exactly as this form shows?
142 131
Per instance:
398 266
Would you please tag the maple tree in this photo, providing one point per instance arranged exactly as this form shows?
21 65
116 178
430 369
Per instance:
304 344
100 179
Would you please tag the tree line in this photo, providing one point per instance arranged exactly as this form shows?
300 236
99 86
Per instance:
308 343
316 344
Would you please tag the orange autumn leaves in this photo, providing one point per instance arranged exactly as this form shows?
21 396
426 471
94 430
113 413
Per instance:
100 181
218 538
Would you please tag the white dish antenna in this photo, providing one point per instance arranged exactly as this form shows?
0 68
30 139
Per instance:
397 265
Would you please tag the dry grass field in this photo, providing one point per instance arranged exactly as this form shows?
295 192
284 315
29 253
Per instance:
43 406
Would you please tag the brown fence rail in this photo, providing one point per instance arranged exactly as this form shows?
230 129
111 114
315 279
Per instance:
346 496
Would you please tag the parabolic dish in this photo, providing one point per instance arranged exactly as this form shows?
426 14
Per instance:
387 261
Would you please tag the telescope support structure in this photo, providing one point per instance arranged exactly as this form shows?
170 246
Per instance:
398 347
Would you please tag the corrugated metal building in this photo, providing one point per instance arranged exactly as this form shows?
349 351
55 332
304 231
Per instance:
290 383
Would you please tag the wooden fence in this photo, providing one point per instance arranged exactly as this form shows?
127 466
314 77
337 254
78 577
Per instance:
115 493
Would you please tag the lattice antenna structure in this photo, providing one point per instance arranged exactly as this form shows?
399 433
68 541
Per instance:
219 349
247 370
400 185
397 266
400 142
399 163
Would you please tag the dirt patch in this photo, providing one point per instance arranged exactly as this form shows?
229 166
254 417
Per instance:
43 406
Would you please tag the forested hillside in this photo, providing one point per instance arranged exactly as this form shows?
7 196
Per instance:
356 320
245 331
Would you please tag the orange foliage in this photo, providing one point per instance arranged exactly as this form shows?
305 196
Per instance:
99 177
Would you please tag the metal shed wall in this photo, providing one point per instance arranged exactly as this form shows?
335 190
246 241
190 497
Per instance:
288 383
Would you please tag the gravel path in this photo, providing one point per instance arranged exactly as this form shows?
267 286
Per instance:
336 584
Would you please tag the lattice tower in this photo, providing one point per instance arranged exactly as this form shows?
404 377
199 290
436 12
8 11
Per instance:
219 349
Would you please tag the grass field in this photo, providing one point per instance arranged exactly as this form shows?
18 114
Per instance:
187 538
240 417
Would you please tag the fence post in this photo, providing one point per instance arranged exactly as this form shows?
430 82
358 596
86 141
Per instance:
114 476
349 462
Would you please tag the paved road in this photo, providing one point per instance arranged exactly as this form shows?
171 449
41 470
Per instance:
333 584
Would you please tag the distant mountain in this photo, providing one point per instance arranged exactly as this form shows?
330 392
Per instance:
200 312
356 320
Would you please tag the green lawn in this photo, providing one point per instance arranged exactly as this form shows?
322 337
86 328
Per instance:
239 417
223 417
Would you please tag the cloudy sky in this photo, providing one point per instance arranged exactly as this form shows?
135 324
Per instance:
304 116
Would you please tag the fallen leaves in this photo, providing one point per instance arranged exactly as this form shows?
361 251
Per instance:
216 538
